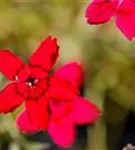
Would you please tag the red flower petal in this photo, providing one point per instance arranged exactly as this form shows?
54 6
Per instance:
84 111
38 113
24 124
61 89
126 15
46 54
60 109
71 72
63 133
9 100
10 64
123 23
101 11
38 73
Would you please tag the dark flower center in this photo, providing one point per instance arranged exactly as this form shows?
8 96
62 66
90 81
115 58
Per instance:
31 81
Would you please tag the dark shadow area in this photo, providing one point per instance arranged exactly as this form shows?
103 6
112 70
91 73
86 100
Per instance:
114 116
128 135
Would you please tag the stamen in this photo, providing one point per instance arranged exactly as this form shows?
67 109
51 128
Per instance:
16 78
30 84
36 80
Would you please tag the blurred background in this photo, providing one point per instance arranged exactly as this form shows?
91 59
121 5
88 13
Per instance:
108 59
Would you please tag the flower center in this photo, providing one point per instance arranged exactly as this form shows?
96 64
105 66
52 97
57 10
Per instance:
31 81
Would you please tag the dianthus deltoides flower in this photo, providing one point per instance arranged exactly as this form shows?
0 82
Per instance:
67 107
101 11
29 82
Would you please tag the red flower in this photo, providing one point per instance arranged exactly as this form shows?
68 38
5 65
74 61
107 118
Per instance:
67 108
29 82
101 11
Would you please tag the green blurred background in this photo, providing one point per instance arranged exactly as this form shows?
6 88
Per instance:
106 55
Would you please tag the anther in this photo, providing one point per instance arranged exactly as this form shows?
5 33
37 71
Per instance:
16 78
36 80
30 84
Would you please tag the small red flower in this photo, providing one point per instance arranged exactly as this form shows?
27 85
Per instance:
67 108
102 11
28 82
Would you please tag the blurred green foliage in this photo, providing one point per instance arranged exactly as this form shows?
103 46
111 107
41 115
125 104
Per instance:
106 55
